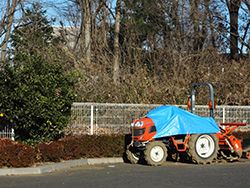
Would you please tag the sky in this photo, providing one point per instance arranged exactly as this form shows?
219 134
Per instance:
53 13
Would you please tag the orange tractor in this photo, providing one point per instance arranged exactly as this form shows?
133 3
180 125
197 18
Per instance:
168 131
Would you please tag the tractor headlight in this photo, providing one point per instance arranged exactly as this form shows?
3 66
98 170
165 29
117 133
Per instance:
138 124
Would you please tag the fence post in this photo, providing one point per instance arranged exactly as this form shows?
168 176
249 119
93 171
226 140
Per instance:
224 114
12 134
92 120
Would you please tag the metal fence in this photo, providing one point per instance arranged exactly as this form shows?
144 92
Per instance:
104 118
7 132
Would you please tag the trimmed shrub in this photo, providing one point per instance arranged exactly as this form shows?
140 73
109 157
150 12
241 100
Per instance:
50 152
36 98
92 146
37 85
14 154
74 147
84 146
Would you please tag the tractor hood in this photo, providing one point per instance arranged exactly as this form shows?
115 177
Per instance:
171 120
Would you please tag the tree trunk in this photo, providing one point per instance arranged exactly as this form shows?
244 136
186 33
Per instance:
195 19
175 17
233 7
247 3
210 23
116 60
177 34
10 16
87 30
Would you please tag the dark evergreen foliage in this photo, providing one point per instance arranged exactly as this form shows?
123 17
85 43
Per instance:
36 93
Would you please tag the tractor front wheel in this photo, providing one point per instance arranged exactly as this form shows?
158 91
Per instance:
203 148
155 153
132 155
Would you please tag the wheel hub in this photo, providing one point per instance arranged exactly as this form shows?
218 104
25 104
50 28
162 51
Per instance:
205 146
157 154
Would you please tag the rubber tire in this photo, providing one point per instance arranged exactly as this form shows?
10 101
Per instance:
147 151
193 153
239 153
131 156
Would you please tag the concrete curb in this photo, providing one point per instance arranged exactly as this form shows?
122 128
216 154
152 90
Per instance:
58 166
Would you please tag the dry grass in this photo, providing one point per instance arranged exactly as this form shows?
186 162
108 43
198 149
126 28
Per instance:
167 80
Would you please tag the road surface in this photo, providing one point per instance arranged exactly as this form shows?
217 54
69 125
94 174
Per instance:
171 175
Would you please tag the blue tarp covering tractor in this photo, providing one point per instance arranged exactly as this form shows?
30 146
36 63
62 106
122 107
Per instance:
171 120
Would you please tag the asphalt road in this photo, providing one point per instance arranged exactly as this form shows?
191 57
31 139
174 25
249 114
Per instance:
172 175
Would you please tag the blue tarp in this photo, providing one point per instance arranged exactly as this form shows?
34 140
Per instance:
171 120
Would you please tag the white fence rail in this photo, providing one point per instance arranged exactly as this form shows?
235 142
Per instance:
104 118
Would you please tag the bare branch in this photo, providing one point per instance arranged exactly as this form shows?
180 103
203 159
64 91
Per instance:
10 12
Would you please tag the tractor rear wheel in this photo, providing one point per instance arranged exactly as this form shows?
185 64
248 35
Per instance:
155 153
203 148
132 155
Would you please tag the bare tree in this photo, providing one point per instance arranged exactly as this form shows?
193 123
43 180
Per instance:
87 29
210 23
246 28
233 7
81 36
6 25
117 52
